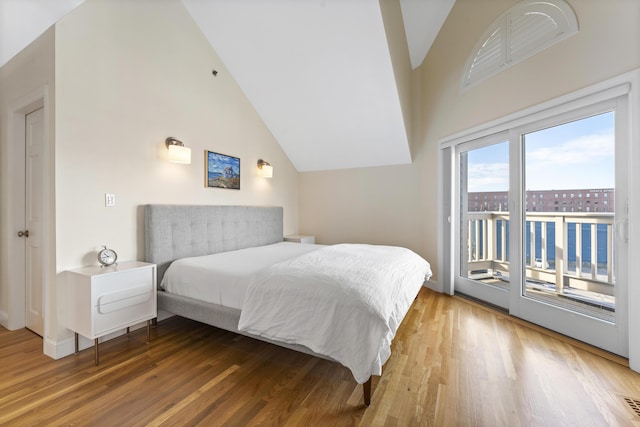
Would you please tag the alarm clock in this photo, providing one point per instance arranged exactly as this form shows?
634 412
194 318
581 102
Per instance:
107 257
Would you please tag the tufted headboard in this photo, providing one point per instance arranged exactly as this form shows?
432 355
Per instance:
179 231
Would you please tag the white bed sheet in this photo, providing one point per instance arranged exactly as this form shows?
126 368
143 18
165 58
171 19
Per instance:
223 278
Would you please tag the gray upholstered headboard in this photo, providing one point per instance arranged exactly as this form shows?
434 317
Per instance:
179 231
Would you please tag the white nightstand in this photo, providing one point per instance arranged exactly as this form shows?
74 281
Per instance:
102 300
298 238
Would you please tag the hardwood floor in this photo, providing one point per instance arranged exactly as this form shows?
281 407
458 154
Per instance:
454 363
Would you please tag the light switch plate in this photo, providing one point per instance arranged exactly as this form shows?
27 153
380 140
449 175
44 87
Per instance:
109 200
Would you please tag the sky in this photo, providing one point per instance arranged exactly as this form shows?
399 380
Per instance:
575 155
218 162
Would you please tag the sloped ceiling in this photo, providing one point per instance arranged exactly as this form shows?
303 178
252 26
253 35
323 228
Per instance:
23 21
318 72
422 22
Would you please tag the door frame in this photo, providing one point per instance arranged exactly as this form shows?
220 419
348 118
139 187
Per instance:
625 84
15 219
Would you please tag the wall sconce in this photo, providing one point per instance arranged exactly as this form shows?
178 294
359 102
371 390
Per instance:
178 153
265 169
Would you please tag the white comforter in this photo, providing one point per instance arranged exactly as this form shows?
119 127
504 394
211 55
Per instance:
343 301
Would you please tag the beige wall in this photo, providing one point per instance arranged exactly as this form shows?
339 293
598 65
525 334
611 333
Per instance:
29 75
398 205
370 205
128 75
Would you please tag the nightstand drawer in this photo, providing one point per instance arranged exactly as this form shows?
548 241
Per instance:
119 285
122 313
117 300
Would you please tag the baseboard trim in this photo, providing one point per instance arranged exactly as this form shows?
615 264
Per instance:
58 349
434 286
4 319
67 346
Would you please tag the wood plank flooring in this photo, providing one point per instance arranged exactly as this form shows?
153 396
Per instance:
454 363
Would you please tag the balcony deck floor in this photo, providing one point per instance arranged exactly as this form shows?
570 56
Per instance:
592 304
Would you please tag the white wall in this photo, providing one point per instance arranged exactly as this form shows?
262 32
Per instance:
128 75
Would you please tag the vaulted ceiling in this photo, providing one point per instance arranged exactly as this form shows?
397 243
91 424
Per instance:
319 72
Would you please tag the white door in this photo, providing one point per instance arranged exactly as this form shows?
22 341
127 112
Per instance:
540 224
34 146
571 250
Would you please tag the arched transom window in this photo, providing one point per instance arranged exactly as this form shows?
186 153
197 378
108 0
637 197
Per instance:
524 30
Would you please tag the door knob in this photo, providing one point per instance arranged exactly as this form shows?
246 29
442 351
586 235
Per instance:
24 233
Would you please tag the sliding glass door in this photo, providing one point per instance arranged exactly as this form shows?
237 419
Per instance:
571 244
539 221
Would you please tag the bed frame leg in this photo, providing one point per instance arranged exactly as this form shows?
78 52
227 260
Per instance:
366 387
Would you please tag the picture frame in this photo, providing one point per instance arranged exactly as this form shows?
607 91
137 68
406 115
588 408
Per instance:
221 171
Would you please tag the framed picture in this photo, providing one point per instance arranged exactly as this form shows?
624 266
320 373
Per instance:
221 171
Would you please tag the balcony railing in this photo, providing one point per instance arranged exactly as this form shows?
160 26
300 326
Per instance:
570 250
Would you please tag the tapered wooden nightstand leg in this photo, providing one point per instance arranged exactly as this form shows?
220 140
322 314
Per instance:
76 340
95 352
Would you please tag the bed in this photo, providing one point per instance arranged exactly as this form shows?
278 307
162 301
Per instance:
227 266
